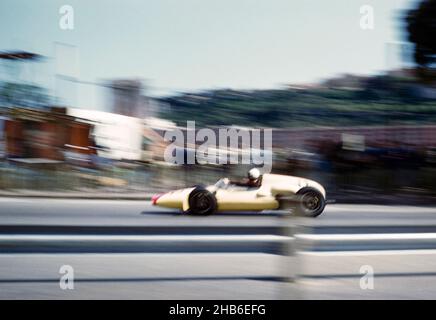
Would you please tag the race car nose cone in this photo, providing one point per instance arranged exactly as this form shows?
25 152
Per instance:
154 198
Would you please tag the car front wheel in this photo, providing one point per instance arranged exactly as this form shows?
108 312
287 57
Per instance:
311 202
202 202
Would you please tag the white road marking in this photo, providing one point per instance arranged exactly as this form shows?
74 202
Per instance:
377 208
368 236
368 253
152 238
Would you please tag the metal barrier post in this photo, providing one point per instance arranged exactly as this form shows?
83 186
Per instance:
289 261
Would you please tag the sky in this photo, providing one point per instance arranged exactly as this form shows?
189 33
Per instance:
189 45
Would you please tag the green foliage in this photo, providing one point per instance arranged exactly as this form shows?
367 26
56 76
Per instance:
380 101
421 27
23 95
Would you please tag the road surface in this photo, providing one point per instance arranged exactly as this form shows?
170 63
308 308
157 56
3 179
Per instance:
177 275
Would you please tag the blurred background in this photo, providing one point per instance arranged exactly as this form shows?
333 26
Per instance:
89 88
85 102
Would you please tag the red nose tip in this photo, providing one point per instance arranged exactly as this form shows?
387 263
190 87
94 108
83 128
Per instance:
154 198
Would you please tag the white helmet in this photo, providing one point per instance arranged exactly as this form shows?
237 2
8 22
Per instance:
254 174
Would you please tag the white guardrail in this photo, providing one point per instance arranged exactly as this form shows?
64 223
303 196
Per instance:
285 239
287 235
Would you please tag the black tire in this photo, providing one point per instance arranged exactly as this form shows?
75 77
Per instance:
311 202
202 202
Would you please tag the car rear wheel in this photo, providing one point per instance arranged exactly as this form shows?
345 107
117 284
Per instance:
311 202
202 202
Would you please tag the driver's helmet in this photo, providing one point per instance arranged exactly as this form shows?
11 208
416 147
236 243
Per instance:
254 174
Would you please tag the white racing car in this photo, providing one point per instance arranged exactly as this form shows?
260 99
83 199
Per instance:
274 192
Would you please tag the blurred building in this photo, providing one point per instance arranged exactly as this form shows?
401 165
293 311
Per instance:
15 63
127 97
17 85
304 138
117 137
46 134
122 138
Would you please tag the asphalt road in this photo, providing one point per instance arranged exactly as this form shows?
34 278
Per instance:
37 211
398 273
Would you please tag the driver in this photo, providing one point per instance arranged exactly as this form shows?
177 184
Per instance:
253 180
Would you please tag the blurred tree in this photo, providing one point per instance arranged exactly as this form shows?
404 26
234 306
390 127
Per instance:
421 26
23 95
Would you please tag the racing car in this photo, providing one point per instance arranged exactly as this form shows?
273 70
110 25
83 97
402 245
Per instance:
274 192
